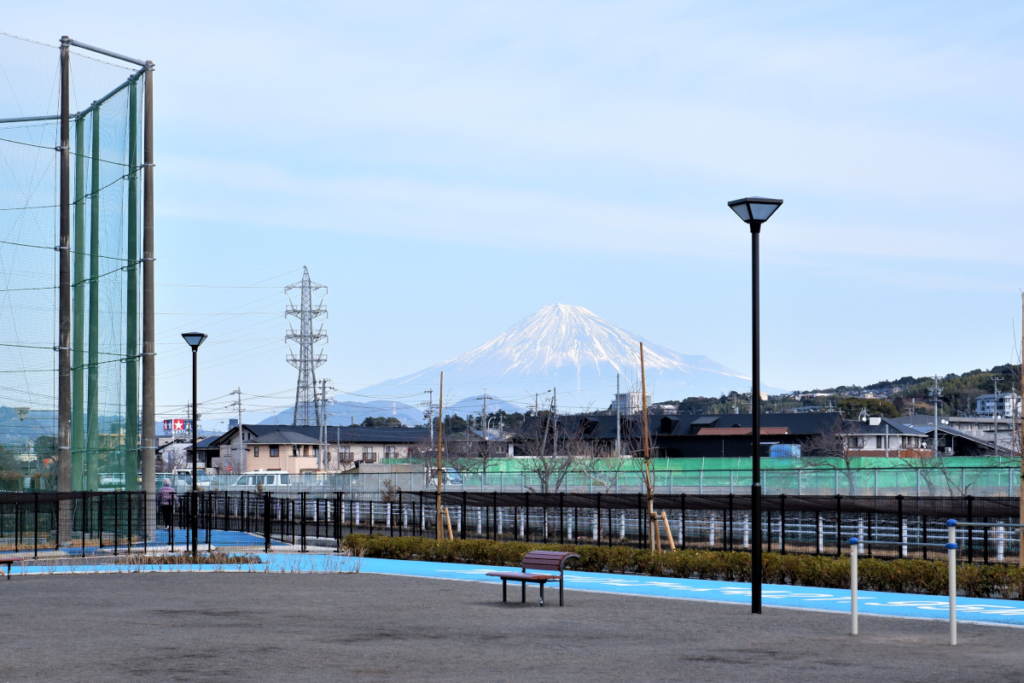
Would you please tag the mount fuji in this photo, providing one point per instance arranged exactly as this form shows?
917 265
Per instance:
571 349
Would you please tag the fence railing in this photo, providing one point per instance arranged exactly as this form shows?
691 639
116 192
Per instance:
907 481
101 524
923 481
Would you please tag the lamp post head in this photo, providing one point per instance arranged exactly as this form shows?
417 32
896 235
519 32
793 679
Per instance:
194 339
755 210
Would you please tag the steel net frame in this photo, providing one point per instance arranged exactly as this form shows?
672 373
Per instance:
76 243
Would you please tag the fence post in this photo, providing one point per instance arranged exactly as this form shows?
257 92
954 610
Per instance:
682 520
462 513
839 525
339 508
494 514
951 559
526 528
267 522
821 533
597 522
900 524
970 529
302 518
1000 543
561 517
35 530
782 521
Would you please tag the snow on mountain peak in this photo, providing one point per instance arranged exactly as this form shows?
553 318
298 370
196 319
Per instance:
579 352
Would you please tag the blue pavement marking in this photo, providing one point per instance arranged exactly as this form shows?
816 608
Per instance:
976 610
218 538
902 605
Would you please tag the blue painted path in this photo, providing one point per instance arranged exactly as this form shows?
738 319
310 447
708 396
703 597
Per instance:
969 610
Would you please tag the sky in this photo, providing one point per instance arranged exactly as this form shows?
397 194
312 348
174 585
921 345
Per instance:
446 169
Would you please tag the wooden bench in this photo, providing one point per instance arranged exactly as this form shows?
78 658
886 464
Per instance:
9 561
544 560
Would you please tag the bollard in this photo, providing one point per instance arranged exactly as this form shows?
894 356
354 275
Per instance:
951 558
854 551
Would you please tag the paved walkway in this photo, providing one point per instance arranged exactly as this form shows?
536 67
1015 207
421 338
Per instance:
996 612
300 628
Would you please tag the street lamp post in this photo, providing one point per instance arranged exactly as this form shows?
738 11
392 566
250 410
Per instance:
194 339
754 211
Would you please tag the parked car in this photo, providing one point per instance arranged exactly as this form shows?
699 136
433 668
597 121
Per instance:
271 480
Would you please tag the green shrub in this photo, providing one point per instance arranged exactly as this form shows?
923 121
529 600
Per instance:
890 576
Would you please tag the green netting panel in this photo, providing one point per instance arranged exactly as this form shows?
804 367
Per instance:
105 144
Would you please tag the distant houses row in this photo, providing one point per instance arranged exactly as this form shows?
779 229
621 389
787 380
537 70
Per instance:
298 449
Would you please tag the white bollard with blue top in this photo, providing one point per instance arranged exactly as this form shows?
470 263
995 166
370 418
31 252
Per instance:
854 551
951 558
951 548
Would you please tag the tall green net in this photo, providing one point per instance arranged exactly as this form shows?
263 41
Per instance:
105 185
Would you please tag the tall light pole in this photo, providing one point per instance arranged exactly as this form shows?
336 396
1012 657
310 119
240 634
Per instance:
195 340
754 211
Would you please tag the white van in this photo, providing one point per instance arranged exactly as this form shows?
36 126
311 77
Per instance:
181 479
271 480
451 478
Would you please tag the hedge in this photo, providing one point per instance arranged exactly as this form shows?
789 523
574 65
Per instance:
891 576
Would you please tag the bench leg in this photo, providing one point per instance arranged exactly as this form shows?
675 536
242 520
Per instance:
541 593
524 590
504 585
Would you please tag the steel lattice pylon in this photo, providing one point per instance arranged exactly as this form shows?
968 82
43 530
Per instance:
308 359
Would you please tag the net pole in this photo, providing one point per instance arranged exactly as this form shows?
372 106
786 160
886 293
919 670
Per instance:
78 314
92 476
64 313
148 319
131 413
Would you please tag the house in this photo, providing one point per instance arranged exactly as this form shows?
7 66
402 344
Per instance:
997 405
675 436
298 449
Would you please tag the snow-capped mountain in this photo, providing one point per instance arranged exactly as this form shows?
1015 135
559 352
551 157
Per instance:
573 349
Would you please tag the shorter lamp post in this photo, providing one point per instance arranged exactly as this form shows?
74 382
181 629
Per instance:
754 211
195 340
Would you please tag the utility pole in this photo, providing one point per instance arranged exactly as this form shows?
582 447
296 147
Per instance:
240 462
322 421
485 417
554 414
1020 492
440 471
430 412
653 534
995 416
618 419
936 392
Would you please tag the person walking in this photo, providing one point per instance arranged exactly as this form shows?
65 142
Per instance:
167 497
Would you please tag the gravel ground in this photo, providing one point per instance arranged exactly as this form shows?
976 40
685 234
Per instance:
363 627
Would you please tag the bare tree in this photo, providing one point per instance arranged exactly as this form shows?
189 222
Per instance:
831 449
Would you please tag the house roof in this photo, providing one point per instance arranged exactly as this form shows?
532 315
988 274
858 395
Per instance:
603 426
285 436
742 431
346 435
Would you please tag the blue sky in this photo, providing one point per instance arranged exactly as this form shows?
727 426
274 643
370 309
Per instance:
447 169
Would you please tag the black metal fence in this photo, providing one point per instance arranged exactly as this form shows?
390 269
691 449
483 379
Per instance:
42 524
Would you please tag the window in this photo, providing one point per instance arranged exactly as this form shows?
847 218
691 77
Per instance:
368 454
390 452
878 442
344 454
255 451
275 451
305 451
316 451
282 478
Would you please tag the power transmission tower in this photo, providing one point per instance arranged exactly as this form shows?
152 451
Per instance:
308 359
239 462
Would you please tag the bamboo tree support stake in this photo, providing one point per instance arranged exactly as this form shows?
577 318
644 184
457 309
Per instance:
448 519
668 531
440 472
653 535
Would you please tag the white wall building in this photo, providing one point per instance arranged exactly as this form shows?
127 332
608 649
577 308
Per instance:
1000 405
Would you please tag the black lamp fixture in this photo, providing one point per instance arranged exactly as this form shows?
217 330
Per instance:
195 340
754 211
